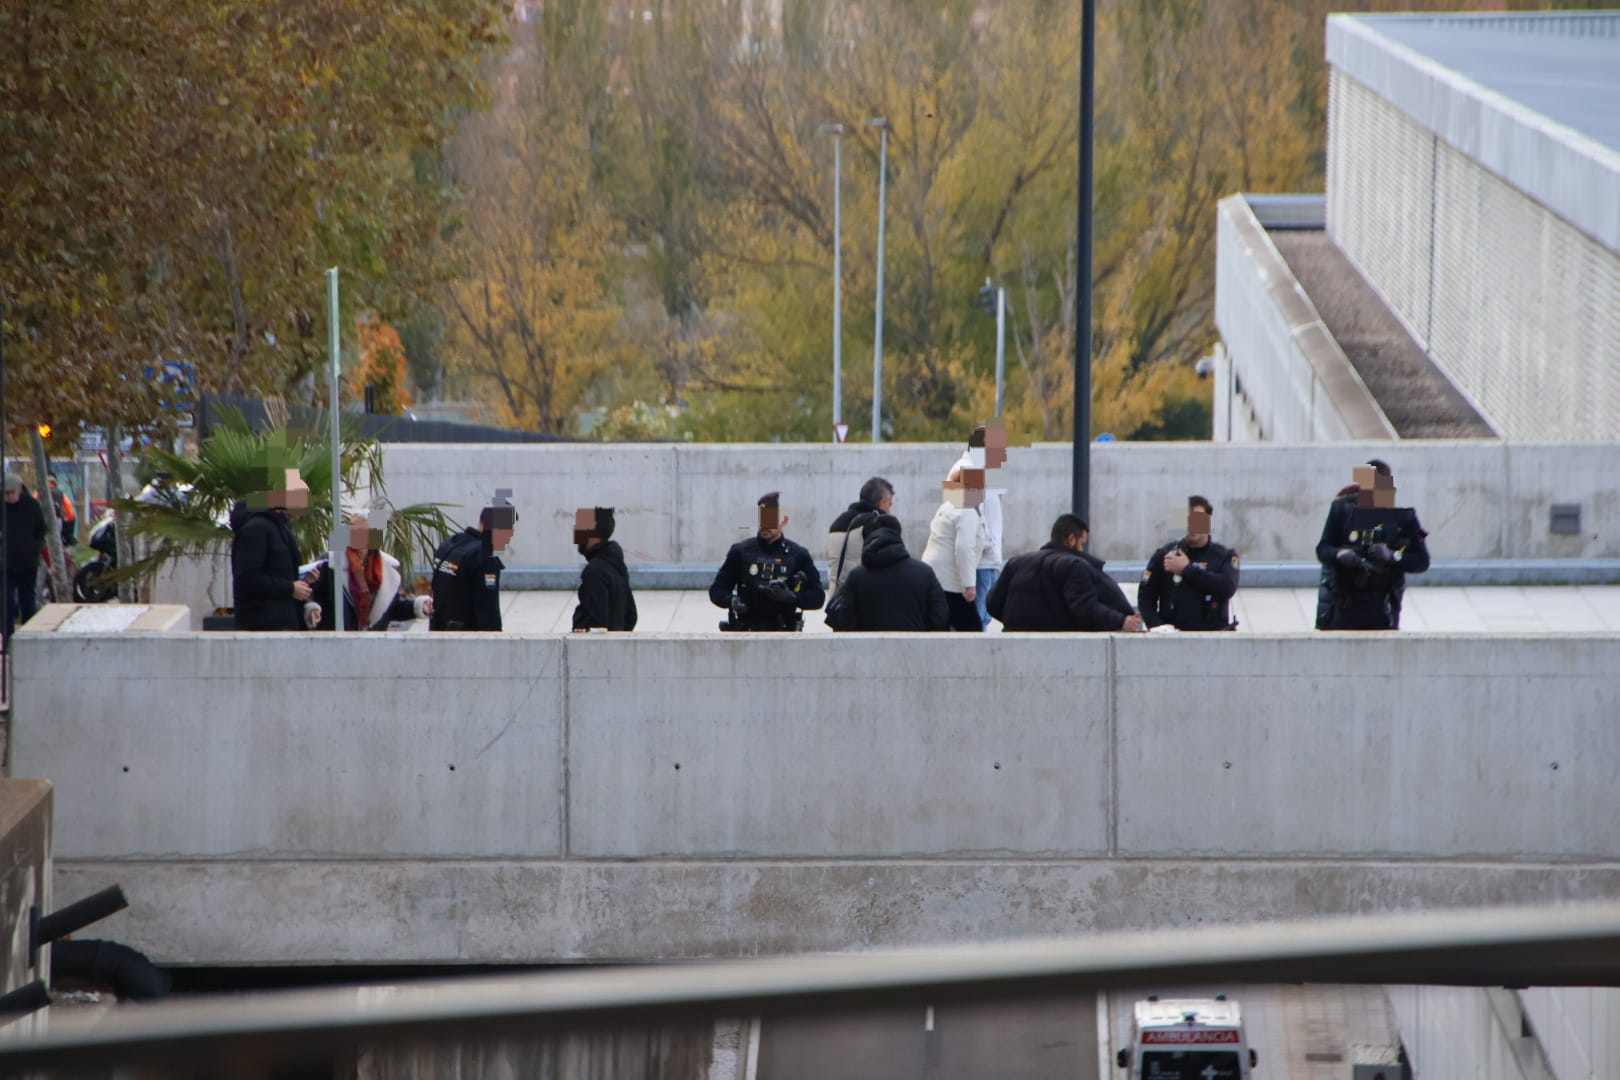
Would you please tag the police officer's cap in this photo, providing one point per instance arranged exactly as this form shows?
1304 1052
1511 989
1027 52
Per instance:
771 499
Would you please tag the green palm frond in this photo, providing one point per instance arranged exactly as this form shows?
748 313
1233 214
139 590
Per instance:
232 464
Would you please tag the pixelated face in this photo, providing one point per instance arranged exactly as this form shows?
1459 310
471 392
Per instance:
772 520
1376 489
965 489
1383 491
287 491
584 525
1198 527
363 535
502 522
995 445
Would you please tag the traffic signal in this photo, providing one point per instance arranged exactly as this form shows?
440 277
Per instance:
987 298
44 431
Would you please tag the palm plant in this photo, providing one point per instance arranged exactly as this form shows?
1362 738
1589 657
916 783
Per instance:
189 518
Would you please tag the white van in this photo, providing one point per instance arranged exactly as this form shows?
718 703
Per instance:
1188 1039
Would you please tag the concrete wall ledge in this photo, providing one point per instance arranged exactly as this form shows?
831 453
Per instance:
524 911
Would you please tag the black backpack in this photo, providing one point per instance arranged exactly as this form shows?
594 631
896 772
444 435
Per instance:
455 565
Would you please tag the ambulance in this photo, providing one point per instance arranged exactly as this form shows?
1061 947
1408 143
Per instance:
1188 1039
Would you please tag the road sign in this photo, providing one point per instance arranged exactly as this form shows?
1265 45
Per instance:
840 432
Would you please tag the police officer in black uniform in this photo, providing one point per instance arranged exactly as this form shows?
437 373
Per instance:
1368 547
767 581
1189 582
467 570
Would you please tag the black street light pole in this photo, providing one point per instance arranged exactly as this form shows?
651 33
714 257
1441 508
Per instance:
1082 285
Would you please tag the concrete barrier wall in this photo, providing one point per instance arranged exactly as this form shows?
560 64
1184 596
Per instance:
303 799
686 504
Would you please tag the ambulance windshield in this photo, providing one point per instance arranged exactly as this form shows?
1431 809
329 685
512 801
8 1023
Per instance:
1190 1065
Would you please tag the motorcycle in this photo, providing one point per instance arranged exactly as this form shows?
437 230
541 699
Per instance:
89 586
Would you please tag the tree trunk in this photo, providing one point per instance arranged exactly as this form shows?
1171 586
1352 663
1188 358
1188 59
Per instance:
62 583
121 525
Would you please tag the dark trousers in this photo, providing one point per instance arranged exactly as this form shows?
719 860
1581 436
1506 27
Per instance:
21 586
964 614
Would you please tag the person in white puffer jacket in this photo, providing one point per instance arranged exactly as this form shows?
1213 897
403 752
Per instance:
957 537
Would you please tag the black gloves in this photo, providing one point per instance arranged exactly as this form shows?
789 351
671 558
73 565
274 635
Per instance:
1381 556
779 591
1348 559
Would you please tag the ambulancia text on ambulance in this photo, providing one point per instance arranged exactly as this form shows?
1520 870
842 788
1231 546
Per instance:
1188 1039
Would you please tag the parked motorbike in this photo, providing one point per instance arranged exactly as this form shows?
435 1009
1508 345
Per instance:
89 584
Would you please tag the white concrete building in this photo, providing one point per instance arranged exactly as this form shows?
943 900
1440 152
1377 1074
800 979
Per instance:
1473 192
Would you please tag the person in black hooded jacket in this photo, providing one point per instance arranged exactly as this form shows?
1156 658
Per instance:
1061 588
890 590
24 536
264 558
605 599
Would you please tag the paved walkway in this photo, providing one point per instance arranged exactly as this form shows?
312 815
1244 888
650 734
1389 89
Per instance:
1483 610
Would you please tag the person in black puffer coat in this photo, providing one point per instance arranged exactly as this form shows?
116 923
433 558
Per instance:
264 559
890 590
605 599
1061 588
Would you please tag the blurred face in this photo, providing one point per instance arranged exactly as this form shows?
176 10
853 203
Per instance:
1197 528
362 535
1377 490
965 488
293 495
886 504
13 496
772 520
995 447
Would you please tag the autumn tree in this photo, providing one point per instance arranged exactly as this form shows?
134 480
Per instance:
381 383
531 314
178 175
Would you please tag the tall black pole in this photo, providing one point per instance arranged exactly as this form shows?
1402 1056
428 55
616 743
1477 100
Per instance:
5 585
1082 282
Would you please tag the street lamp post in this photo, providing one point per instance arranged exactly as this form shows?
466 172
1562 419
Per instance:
1081 469
993 299
877 338
837 131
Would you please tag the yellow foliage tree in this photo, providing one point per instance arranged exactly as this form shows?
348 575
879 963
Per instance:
382 376
531 317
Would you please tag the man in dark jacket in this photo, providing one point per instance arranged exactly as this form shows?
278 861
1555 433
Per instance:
25 535
605 599
264 557
1189 583
890 590
1368 546
467 570
845 538
767 580
1060 587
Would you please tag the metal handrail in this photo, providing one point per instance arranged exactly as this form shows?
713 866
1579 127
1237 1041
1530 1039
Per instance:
257 1035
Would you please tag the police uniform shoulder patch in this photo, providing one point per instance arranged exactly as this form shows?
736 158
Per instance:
1235 559
492 581
1147 575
